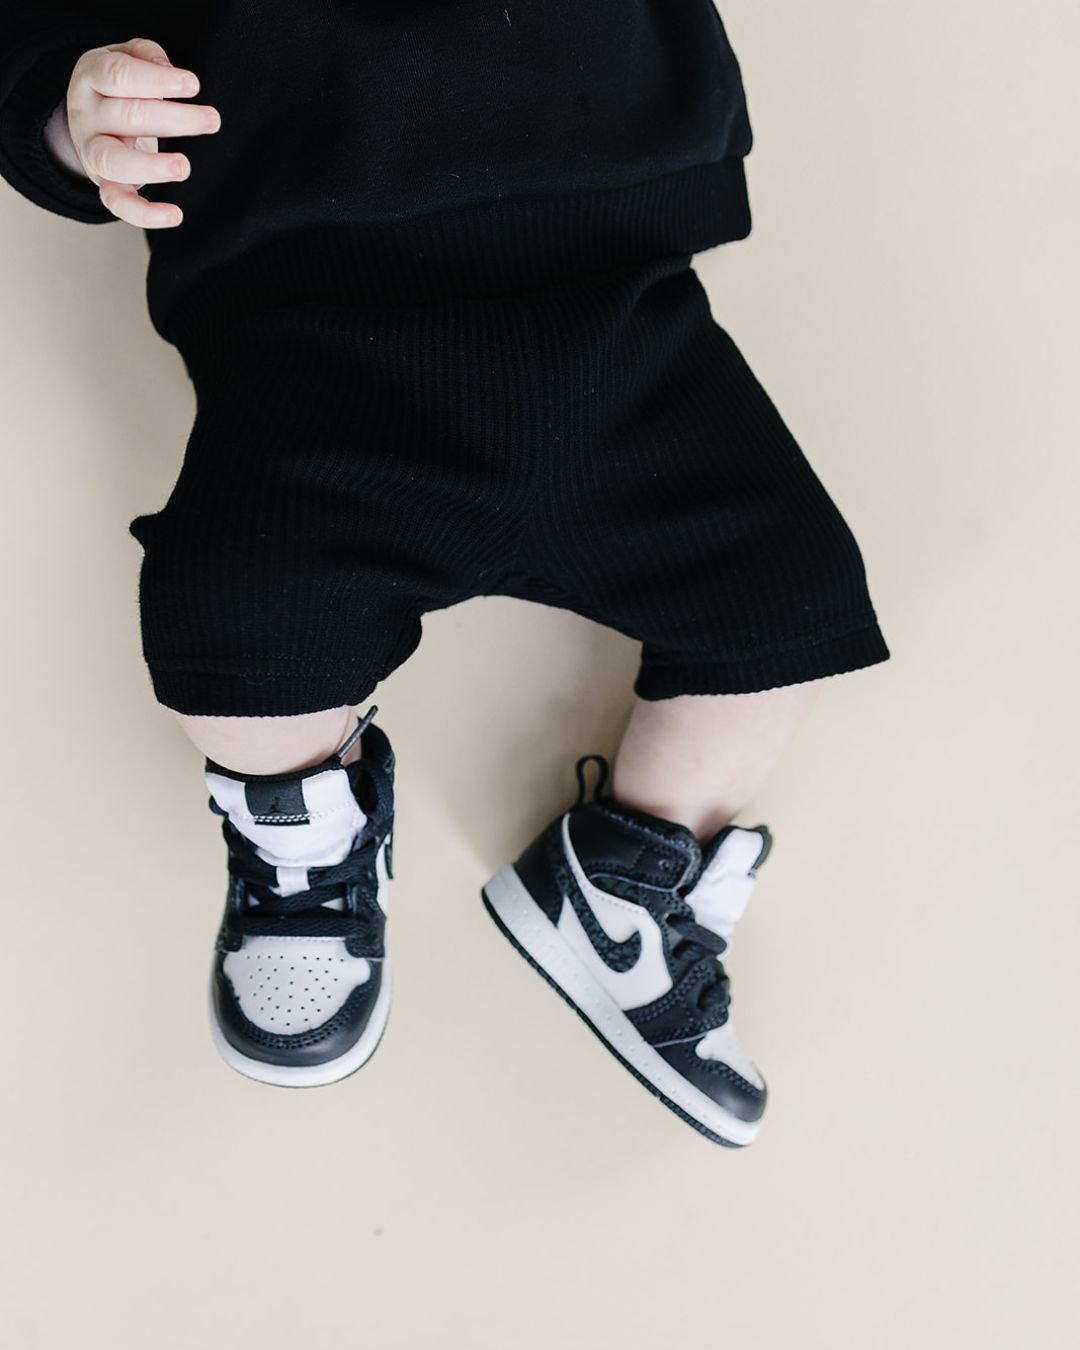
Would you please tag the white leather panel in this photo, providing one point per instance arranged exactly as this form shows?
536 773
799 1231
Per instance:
724 889
289 985
721 1043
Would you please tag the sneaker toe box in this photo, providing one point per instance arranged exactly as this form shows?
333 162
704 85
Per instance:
717 1065
281 1005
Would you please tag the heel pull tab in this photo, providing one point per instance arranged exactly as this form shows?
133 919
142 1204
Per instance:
361 726
767 841
579 769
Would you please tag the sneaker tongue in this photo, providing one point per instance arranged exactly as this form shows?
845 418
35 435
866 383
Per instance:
723 889
300 820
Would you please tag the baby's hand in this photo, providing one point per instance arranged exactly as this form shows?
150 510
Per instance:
117 105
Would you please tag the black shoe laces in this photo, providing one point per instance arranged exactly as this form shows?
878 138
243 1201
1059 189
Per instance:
354 881
704 973
305 913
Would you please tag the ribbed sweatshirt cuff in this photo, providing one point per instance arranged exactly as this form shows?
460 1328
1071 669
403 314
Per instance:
25 160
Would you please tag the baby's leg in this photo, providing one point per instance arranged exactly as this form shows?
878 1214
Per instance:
262 745
700 758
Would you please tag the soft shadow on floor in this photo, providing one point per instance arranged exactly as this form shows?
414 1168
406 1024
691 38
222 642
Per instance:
495 733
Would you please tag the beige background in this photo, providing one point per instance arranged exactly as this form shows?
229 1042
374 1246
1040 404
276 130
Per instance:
906 973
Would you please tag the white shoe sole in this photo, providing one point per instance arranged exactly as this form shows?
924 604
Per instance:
310 1075
539 941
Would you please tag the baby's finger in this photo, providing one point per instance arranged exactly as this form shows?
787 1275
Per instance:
146 48
126 204
107 159
154 117
116 73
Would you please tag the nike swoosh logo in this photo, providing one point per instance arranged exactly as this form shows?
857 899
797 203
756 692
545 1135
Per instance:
619 956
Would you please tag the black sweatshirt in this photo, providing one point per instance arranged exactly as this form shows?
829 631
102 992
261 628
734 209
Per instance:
372 149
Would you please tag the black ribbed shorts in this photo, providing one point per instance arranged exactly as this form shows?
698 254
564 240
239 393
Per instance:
596 443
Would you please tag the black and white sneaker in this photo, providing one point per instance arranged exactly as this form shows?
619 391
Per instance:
300 986
626 915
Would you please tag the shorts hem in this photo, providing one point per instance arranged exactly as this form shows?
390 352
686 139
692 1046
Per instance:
774 667
284 692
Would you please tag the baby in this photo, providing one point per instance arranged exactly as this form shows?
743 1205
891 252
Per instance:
428 264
